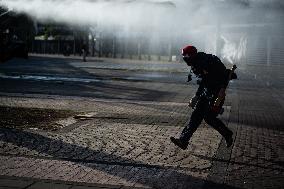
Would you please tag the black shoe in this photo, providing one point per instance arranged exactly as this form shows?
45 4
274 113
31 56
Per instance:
179 143
229 140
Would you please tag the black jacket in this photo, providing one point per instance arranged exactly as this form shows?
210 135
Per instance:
217 76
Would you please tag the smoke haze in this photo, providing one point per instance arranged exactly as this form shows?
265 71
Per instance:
189 20
135 14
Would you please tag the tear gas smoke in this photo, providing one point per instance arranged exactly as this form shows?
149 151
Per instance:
233 52
188 20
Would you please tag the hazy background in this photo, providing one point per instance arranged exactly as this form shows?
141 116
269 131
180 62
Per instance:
239 31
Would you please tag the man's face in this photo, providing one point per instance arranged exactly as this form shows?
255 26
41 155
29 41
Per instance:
189 59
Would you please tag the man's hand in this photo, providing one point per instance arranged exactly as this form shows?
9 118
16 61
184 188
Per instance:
220 98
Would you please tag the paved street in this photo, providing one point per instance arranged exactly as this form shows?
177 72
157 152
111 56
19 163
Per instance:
125 113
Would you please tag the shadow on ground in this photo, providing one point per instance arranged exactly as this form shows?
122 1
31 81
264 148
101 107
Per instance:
150 174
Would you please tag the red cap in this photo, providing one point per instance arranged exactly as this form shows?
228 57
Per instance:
189 51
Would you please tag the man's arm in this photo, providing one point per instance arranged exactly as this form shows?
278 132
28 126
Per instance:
222 94
193 101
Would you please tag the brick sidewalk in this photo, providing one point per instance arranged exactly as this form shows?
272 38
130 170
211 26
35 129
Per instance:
124 143
256 159
8 182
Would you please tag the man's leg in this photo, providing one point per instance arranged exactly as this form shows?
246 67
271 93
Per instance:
195 120
217 124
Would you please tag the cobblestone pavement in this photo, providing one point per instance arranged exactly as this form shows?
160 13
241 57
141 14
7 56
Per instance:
116 143
258 154
119 143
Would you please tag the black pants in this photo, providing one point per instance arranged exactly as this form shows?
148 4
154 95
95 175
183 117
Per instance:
203 111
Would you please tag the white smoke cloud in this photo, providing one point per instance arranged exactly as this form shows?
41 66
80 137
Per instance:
101 12
191 20
158 15
153 18
233 51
